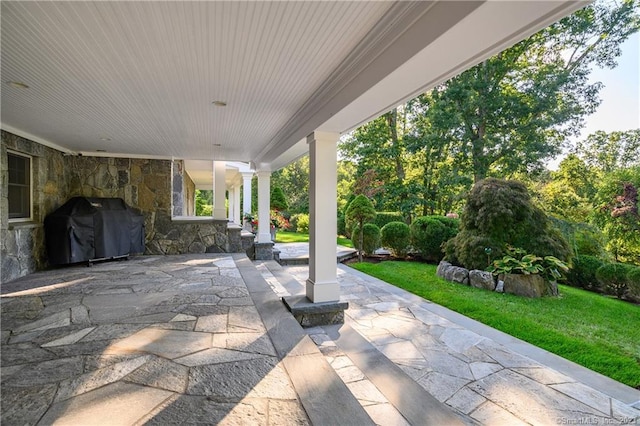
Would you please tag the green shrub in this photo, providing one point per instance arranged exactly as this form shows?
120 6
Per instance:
588 241
342 224
301 221
370 238
359 212
633 283
429 233
583 273
382 218
613 276
499 213
278 199
395 236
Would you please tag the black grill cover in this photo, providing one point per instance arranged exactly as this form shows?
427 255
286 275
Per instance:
85 228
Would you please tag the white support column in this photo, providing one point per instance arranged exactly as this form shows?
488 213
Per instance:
237 218
322 285
264 206
219 188
246 192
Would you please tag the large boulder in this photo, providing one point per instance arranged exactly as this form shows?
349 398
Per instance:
527 285
481 279
457 274
442 268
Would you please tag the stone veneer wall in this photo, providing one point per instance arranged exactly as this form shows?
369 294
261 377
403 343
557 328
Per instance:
189 195
22 249
143 184
184 191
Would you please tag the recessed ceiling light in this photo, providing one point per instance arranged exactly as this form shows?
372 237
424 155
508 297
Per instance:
219 103
105 139
17 84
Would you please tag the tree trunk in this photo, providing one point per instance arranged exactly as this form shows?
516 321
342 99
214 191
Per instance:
392 121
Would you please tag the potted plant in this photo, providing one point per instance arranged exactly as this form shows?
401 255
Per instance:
248 220
527 274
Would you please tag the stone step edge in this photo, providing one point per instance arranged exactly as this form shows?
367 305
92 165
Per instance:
324 396
413 402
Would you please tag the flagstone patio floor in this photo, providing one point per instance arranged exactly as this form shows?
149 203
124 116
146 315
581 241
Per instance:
205 339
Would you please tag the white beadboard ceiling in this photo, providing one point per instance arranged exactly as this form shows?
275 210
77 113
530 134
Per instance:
138 78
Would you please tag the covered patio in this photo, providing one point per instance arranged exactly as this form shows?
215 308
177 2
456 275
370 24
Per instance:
205 339
123 99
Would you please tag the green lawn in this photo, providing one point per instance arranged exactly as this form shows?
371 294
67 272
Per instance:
597 332
295 237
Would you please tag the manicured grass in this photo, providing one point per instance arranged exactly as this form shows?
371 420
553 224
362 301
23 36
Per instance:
291 237
295 237
344 241
597 332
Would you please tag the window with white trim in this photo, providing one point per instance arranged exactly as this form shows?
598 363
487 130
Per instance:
19 186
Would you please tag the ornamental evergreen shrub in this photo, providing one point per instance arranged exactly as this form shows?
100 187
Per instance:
500 213
429 233
370 238
278 199
633 283
613 276
359 212
583 273
395 236
382 218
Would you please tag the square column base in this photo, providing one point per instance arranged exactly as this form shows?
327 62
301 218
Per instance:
310 314
263 251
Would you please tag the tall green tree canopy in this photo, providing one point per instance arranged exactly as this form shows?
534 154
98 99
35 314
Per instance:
610 151
505 116
515 110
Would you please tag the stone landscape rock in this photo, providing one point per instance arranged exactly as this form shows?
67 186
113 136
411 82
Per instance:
457 275
442 268
481 279
524 285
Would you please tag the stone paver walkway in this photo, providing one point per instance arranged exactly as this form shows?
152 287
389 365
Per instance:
298 253
154 340
469 370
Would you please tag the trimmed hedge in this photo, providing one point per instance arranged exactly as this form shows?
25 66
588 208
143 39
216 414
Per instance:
382 218
583 273
395 236
430 233
370 238
633 282
613 277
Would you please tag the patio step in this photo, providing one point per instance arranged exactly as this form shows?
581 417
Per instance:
324 396
410 399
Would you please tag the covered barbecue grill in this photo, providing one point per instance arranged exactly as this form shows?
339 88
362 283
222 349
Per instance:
89 229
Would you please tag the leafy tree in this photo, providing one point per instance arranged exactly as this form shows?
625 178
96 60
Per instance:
616 213
516 109
294 182
204 202
359 212
610 151
278 199
498 214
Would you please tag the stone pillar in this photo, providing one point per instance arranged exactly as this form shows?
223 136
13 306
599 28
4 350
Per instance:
237 217
264 206
322 285
246 192
219 188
